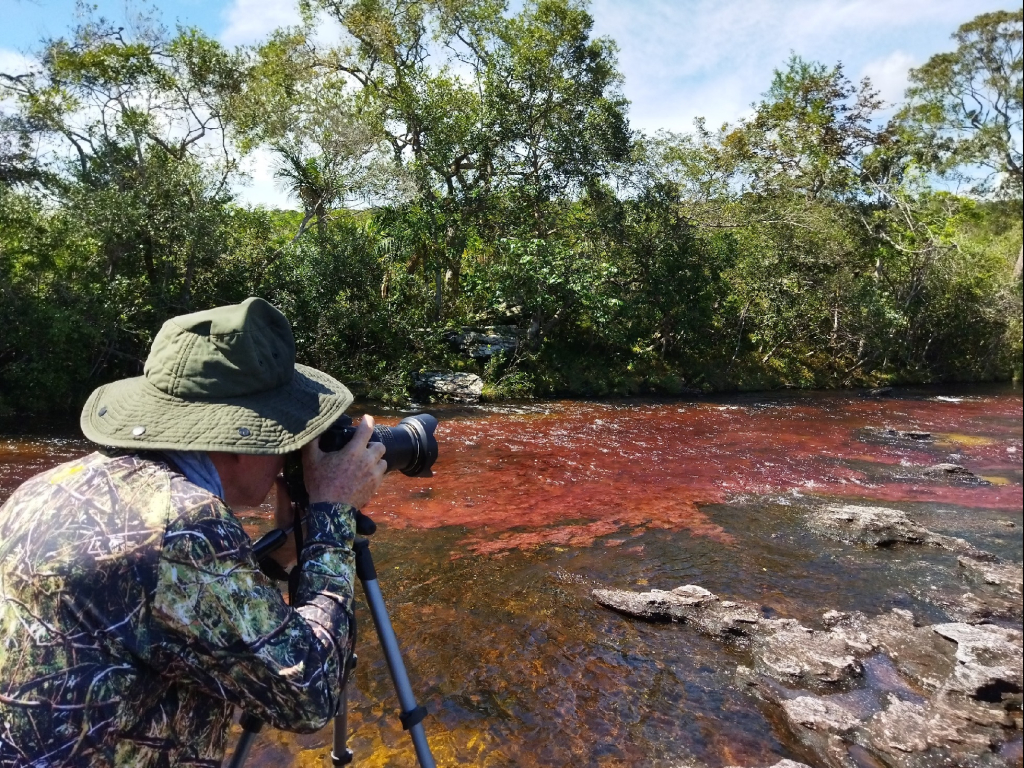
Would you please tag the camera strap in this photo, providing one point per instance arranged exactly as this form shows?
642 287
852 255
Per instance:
296 572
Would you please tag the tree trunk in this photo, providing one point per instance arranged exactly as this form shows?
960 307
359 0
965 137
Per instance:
438 291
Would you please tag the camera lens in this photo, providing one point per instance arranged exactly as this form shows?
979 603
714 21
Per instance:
410 447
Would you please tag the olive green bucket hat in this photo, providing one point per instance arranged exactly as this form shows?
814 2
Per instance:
220 380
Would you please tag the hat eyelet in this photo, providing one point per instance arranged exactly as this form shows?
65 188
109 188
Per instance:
102 411
139 431
244 431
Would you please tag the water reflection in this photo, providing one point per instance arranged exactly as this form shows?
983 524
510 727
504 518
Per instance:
487 567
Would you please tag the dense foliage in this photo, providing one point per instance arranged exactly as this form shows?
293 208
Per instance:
460 166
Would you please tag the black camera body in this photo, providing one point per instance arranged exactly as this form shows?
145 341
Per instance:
410 447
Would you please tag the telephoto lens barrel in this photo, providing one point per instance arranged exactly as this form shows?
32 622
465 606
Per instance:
410 446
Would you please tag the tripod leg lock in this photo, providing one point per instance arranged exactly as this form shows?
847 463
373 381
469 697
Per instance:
250 724
345 758
413 717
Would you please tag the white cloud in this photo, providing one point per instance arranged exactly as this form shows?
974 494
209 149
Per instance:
15 63
262 188
714 58
249 21
889 75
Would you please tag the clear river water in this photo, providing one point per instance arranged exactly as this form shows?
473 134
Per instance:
487 567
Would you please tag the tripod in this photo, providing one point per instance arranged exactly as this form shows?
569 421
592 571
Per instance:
411 715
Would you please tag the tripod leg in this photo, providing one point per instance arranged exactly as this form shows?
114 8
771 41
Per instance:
250 727
412 714
340 753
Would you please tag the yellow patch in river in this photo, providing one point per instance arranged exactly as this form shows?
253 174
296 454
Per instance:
952 438
995 479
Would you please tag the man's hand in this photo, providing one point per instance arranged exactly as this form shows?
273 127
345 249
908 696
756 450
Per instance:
349 476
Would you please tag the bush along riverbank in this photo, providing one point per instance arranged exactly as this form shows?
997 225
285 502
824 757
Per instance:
506 223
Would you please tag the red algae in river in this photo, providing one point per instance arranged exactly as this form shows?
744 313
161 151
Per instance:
568 473
571 472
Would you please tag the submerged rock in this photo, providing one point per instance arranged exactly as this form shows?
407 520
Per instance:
878 392
889 435
946 469
883 527
997 595
453 387
866 691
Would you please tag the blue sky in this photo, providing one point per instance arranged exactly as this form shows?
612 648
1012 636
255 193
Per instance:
681 58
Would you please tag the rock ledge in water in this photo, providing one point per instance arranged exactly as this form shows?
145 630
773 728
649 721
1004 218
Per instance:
1008 577
883 527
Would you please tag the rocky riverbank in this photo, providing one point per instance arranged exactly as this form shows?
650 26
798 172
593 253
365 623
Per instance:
889 690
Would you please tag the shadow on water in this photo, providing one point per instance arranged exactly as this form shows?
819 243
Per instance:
487 568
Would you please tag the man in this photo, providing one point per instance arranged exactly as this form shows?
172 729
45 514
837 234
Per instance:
133 618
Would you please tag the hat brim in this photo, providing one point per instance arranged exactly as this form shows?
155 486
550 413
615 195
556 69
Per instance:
132 413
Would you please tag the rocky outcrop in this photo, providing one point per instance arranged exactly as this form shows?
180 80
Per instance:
878 392
947 470
988 659
483 343
954 473
448 387
876 691
883 527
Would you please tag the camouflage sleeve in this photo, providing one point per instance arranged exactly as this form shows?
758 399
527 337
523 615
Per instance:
223 624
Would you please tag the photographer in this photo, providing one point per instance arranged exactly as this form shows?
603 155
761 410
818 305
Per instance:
133 617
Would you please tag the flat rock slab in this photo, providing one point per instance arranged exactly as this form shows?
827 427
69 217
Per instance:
689 604
888 434
795 655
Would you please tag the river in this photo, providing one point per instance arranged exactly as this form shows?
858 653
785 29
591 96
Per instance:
487 567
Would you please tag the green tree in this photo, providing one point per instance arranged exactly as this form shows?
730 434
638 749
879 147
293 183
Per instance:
129 186
473 104
964 107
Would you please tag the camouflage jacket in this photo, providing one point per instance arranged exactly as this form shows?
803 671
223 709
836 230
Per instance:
133 619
